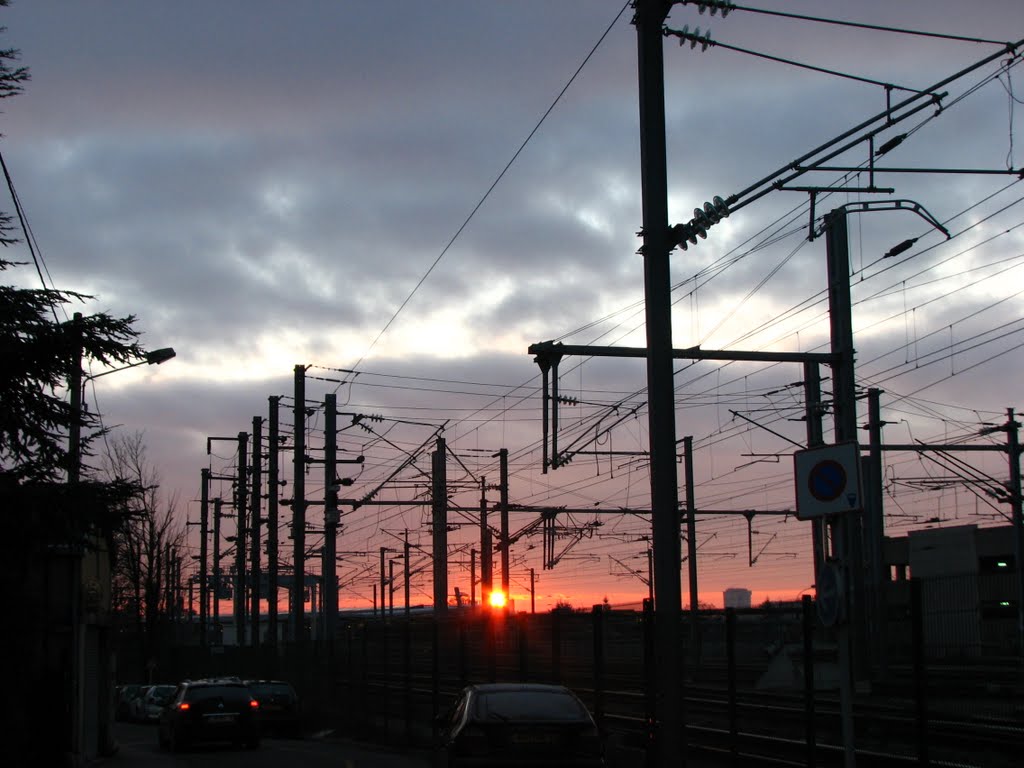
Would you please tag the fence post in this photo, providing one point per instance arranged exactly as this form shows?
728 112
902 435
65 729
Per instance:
435 668
730 650
597 630
407 674
364 687
385 659
920 671
556 646
808 631
524 655
491 630
463 651
650 695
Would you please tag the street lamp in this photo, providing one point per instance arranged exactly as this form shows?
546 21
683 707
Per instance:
156 357
89 718
75 381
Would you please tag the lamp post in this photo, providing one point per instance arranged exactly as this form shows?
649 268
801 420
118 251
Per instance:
93 721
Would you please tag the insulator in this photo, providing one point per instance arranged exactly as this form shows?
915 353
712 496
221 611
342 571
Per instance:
713 6
720 207
711 213
700 223
899 248
890 145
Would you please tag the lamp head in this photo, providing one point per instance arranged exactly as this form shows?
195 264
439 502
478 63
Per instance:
158 356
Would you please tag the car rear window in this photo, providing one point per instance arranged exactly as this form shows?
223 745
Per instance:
529 705
227 692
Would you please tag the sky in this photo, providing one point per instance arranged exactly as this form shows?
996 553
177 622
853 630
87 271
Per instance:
404 196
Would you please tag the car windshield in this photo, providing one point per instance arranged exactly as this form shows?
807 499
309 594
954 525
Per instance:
529 705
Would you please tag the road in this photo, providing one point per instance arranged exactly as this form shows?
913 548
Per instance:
138 749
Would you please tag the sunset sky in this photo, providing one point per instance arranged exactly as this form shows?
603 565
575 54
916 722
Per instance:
405 196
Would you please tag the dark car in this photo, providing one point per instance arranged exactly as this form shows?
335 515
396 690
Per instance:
517 724
207 711
280 710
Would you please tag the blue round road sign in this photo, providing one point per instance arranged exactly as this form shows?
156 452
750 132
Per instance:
827 480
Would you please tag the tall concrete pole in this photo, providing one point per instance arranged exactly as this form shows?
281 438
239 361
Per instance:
273 492
851 631
669 745
217 514
330 562
297 621
256 529
204 535
844 394
242 521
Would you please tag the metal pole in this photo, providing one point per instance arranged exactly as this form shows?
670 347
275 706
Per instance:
439 499
503 507
383 580
873 492
255 534
1013 448
217 503
649 19
486 582
691 552
406 550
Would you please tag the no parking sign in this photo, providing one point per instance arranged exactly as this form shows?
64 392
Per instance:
827 480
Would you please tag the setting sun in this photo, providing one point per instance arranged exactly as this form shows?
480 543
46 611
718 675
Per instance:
497 599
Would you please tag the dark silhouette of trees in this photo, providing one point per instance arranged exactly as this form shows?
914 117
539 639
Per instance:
144 546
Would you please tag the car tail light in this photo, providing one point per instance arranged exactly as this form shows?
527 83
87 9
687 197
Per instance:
253 704
184 706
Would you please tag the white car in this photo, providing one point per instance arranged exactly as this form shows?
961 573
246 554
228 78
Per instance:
149 705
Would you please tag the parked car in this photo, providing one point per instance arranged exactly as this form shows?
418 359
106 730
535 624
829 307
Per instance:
123 697
207 711
280 710
513 724
136 712
153 701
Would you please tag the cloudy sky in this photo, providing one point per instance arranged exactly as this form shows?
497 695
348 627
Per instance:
404 196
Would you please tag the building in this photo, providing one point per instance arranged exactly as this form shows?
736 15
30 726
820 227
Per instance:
736 597
970 587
